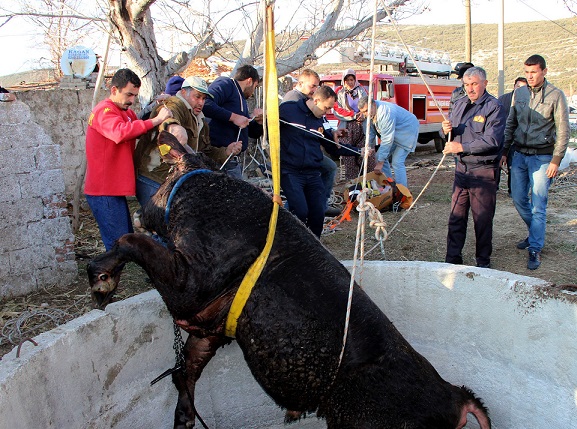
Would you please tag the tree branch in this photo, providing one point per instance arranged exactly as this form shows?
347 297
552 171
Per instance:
140 7
50 15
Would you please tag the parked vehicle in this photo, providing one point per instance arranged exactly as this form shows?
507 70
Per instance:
411 93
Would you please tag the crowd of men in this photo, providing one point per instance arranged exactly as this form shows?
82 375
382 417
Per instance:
529 134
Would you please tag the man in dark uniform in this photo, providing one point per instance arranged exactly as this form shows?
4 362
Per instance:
476 124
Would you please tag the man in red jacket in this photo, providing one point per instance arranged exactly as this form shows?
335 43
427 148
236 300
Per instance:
110 142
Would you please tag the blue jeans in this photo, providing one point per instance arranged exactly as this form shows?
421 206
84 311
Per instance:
529 190
112 216
328 174
233 168
145 189
304 191
399 155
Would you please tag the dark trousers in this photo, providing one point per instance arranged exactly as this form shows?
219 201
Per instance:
305 194
475 188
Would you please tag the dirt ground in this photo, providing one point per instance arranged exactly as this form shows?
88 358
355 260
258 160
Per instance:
421 236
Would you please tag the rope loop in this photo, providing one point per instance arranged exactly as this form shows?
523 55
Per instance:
376 220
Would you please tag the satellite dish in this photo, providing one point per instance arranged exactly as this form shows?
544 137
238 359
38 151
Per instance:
78 61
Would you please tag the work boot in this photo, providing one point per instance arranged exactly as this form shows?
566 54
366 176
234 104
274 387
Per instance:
522 245
332 212
534 260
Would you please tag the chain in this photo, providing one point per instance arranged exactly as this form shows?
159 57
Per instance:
178 347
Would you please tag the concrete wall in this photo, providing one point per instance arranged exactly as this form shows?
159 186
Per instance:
63 113
510 338
36 241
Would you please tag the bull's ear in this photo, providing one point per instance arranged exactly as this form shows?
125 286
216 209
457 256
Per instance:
165 138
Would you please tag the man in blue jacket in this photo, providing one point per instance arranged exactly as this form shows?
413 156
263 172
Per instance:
303 130
230 120
476 126
398 129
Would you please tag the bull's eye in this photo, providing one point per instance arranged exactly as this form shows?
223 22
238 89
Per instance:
103 277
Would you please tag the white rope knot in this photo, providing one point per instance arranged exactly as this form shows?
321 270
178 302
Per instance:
381 233
376 220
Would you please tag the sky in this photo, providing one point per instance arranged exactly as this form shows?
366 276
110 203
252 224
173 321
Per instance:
21 44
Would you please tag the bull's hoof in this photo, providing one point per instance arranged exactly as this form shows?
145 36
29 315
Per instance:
293 416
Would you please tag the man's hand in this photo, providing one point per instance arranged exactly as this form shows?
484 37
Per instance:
503 163
447 127
378 170
453 147
371 151
239 120
163 114
257 115
552 170
234 148
337 134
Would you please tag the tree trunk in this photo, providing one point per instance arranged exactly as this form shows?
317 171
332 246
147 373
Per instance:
135 29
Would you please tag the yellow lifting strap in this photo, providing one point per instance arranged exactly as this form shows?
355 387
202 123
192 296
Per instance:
272 123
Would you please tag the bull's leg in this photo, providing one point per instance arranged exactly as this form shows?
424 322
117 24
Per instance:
197 353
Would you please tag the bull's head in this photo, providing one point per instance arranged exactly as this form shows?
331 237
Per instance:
103 278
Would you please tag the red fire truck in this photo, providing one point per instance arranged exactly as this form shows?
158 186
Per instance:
411 93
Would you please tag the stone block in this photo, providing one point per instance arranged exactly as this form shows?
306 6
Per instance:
20 212
16 160
24 261
64 273
13 237
4 264
14 113
48 158
19 284
23 137
40 185
10 188
56 230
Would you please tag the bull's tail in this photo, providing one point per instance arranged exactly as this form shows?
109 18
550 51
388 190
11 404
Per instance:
474 406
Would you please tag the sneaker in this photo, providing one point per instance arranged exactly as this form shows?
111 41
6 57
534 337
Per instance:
522 245
484 265
534 260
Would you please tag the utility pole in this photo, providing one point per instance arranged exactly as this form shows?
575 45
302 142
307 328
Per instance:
501 51
468 32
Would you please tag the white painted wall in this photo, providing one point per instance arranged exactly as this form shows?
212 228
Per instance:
510 338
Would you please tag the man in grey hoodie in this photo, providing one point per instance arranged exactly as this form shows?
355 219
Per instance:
538 126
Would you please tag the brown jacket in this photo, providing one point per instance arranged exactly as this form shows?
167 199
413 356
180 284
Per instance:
147 159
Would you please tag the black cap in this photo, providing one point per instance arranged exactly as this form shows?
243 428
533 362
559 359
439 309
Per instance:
461 68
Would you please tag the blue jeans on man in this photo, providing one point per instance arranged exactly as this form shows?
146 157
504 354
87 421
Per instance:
233 167
145 189
304 191
529 190
328 174
398 156
112 216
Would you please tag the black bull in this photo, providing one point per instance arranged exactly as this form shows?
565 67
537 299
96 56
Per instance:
291 329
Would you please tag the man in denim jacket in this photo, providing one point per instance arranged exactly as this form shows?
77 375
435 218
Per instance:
398 129
538 126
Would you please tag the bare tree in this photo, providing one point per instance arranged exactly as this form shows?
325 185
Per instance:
60 22
211 25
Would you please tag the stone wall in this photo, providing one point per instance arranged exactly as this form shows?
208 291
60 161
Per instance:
36 240
63 113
